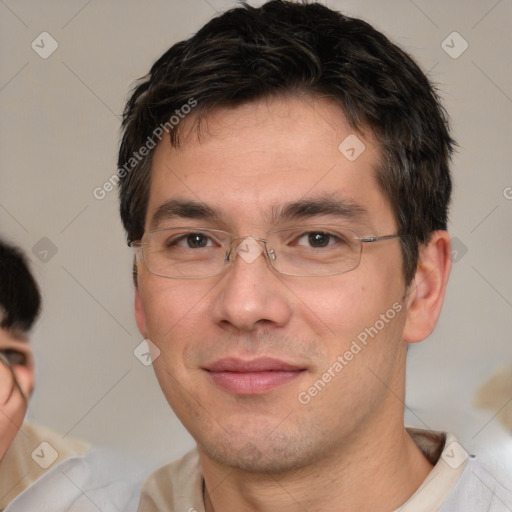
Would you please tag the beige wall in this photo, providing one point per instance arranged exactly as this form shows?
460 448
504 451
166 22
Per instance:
59 132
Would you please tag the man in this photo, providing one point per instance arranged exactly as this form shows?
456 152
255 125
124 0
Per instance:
41 470
285 184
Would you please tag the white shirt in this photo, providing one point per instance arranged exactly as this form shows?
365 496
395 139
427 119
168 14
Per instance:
96 481
44 472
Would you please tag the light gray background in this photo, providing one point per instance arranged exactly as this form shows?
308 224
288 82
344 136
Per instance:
59 135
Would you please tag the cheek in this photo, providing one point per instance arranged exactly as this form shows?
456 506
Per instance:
25 377
333 306
350 308
6 384
169 304
12 406
177 318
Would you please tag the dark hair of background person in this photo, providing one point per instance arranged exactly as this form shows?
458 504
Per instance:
20 299
288 49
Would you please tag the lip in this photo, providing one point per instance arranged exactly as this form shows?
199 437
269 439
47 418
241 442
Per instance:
252 377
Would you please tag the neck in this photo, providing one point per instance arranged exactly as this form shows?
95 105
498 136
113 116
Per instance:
379 470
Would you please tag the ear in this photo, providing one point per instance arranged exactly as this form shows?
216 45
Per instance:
426 292
140 314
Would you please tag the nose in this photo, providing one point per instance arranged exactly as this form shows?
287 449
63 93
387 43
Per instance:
251 293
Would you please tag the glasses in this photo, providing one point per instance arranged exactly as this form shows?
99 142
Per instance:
303 251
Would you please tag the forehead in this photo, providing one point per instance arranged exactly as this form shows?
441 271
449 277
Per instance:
247 163
10 336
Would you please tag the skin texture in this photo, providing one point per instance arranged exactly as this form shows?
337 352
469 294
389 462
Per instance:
348 444
14 394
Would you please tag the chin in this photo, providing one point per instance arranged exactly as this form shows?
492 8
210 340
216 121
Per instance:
254 451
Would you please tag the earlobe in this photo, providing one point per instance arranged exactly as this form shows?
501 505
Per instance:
426 292
140 315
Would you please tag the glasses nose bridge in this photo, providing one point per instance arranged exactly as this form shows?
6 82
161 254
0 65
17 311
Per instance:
248 252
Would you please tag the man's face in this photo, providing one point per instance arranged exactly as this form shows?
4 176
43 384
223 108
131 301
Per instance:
248 165
16 384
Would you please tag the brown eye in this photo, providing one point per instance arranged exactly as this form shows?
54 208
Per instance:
318 239
15 357
194 241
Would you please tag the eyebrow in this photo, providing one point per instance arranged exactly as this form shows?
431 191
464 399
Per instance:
293 211
346 209
176 208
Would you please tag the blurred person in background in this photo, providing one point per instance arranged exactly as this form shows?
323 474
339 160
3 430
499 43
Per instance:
40 469
20 305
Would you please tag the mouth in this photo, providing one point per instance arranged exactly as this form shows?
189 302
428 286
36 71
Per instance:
252 377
